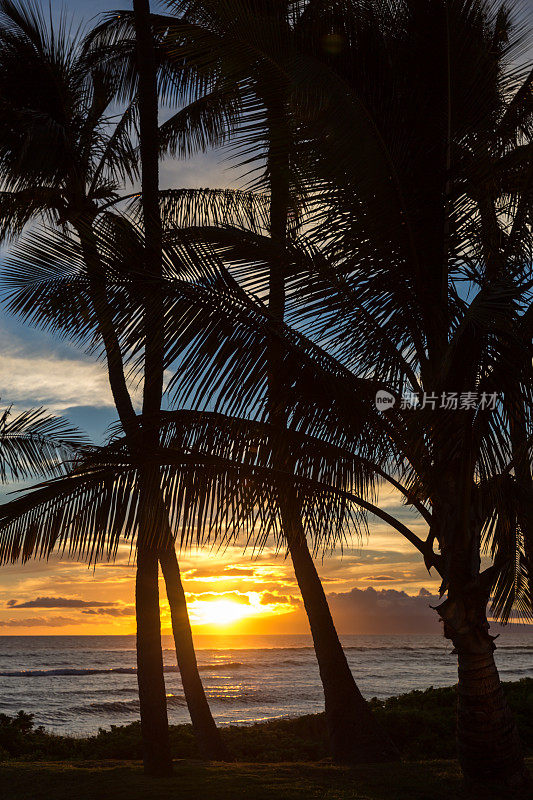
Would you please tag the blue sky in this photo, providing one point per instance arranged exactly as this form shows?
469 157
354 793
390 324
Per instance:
38 369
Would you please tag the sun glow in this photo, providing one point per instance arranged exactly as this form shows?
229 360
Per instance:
219 612
224 610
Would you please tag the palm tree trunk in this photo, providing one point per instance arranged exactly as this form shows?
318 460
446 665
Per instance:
106 329
150 678
488 742
206 732
354 734
209 738
153 360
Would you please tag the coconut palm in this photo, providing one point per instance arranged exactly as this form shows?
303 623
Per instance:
415 278
228 59
424 286
64 158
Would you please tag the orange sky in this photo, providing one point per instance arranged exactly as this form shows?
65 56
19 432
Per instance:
228 592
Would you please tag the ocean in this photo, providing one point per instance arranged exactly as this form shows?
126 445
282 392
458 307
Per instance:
77 684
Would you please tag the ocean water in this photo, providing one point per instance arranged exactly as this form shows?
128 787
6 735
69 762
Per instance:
77 684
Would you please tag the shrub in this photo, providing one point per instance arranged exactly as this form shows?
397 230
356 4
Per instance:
422 723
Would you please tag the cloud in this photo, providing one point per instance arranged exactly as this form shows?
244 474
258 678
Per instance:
357 557
31 376
213 571
199 171
383 611
236 572
210 597
38 622
58 383
271 598
127 611
57 602
268 598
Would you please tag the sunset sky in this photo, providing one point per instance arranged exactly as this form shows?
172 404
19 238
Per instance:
379 585
376 586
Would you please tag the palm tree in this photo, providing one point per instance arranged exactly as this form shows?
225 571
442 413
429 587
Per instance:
152 696
433 205
64 158
225 58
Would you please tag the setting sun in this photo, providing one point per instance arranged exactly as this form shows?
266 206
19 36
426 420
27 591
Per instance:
219 612
230 607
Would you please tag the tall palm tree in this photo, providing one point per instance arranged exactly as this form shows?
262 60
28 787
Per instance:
152 696
433 205
229 58
418 280
64 158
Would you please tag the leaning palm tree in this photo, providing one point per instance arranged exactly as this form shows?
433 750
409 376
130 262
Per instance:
224 57
418 284
415 279
64 158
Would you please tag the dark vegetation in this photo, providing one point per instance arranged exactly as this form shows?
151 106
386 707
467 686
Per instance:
420 722
200 780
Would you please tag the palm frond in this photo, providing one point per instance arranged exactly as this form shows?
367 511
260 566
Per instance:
34 443
214 487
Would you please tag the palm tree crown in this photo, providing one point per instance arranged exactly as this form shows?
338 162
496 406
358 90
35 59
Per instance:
63 148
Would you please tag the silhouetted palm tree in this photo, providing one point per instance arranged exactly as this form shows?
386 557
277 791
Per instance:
418 140
152 696
433 206
228 58
64 158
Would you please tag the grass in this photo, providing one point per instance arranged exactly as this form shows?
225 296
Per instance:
193 780
199 781
38 765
